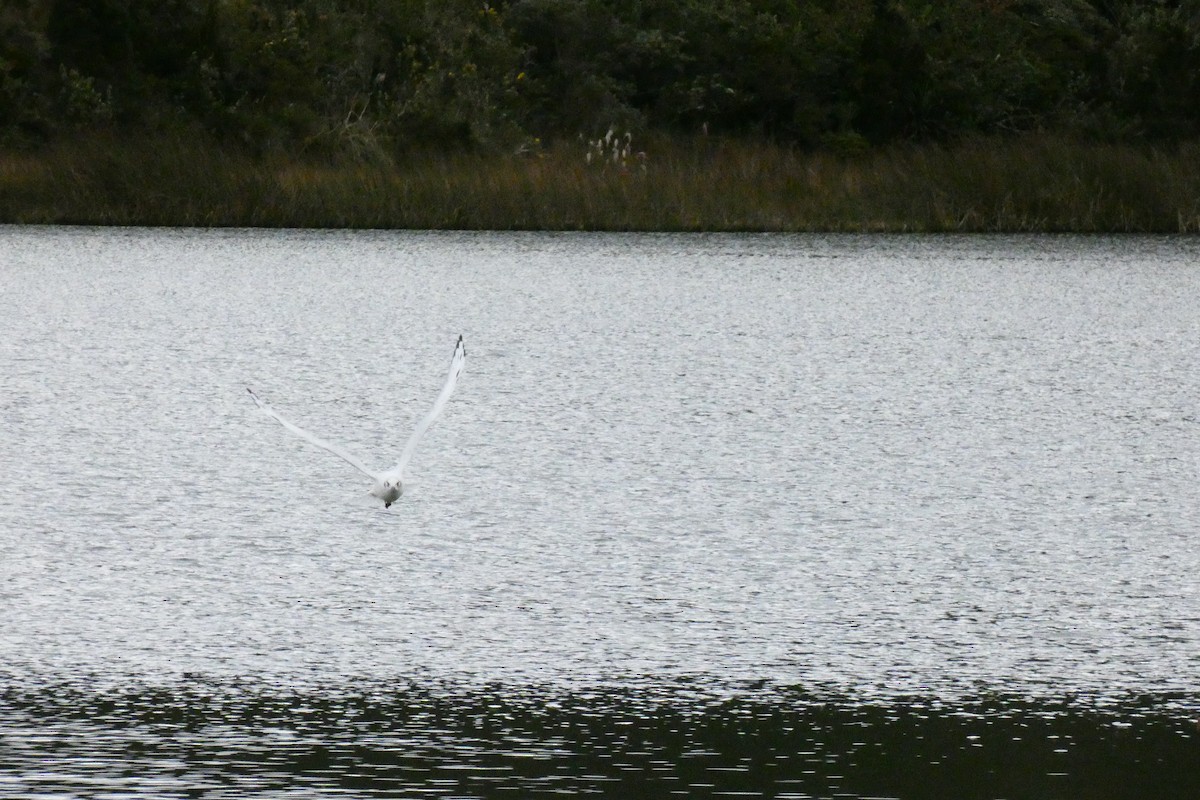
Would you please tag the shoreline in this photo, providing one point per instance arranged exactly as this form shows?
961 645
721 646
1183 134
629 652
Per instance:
1032 184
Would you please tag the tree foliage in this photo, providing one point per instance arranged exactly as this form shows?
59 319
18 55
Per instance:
369 78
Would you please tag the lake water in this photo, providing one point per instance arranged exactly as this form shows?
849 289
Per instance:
708 515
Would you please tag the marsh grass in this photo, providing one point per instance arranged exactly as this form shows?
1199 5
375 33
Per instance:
1031 184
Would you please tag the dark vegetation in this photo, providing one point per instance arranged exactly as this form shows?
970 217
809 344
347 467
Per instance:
947 114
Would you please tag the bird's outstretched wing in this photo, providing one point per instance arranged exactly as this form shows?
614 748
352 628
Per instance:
319 442
439 405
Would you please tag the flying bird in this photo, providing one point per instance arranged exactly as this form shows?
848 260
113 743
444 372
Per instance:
388 485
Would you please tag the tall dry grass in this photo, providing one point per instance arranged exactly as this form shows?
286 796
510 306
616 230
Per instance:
1031 184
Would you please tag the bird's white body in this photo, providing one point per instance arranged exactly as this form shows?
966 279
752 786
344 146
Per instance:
389 491
388 486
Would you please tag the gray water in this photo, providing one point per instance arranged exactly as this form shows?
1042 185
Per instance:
873 467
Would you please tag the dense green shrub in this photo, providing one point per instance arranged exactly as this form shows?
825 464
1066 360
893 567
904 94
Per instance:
370 79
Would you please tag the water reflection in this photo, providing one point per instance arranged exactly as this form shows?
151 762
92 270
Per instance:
231 739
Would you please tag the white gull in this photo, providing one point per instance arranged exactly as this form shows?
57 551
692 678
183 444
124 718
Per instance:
388 485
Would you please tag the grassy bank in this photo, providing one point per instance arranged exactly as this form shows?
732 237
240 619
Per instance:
1031 184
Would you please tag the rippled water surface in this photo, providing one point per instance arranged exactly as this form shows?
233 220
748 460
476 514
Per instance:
706 514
